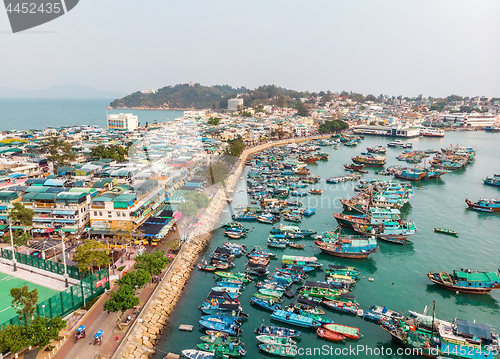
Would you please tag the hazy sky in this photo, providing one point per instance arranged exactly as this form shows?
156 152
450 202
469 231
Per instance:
399 47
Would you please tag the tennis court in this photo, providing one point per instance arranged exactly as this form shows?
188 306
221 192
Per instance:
6 283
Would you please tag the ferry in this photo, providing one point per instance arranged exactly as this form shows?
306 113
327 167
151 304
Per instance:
432 132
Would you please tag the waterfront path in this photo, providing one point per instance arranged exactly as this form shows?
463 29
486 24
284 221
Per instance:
140 340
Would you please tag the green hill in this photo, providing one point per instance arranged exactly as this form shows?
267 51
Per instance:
203 97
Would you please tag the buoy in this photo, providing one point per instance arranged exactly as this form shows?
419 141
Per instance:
371 279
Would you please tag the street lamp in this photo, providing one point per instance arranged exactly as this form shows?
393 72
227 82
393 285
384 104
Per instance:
64 261
12 246
43 307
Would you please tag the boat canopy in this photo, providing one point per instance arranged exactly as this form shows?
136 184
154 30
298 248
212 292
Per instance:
473 329
299 258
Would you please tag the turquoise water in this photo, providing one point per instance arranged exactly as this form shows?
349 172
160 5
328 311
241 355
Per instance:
399 272
26 114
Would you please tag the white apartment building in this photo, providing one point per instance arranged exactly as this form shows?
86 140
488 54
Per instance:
123 121
195 113
234 104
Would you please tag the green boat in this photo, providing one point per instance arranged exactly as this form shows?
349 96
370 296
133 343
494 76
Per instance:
272 339
445 231
230 349
279 350
343 270
319 292
219 339
271 293
238 276
267 297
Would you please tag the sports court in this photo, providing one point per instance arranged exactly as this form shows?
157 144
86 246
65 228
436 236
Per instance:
7 282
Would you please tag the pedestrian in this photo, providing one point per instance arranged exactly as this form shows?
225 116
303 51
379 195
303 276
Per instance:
117 339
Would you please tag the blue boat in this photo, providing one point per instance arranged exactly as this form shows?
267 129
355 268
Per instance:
492 181
484 205
309 212
277 331
230 329
284 279
214 305
294 319
221 319
224 312
277 242
266 304
229 284
244 217
302 268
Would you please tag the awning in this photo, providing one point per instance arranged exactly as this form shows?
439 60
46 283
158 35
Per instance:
42 230
64 212
67 230
42 220
64 220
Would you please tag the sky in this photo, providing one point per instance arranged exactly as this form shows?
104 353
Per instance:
394 47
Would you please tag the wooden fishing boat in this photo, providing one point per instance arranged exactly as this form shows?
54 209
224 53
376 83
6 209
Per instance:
277 331
445 231
348 332
230 349
294 319
319 292
484 205
467 281
272 339
279 350
345 307
267 304
238 276
295 245
329 335
207 267
316 191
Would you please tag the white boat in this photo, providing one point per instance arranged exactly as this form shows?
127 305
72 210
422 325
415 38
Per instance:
399 144
432 132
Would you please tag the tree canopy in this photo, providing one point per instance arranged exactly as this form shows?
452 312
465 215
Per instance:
330 126
235 147
91 254
214 121
117 153
59 151
153 263
188 209
200 199
135 278
22 215
24 301
122 299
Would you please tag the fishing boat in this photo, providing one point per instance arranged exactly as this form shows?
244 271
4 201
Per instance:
238 276
323 319
277 242
369 160
316 191
222 319
346 307
220 338
377 149
319 292
301 261
272 339
207 267
230 283
256 269
279 350
277 331
269 284
200 354
329 335
271 292
492 181
295 245
349 248
348 332
268 218
445 231
267 304
294 319
390 231
264 261
467 281
377 314
309 212
257 251
484 205
399 144
229 349
342 270
233 234
354 167
227 328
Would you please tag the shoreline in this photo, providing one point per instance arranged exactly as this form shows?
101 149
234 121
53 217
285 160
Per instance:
153 108
140 340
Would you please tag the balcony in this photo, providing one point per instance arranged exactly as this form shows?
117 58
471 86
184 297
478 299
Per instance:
43 205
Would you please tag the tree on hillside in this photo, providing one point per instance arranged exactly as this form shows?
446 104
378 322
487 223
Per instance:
91 254
235 147
214 121
24 301
117 153
22 215
333 126
59 151
153 263
301 108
